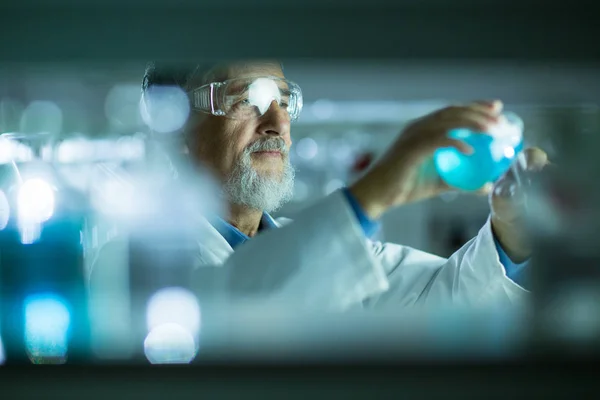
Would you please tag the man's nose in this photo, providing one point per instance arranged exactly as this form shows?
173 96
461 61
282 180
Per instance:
276 121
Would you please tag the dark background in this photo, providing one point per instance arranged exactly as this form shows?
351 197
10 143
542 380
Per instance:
127 30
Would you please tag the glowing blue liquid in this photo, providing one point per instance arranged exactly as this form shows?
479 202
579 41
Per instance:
471 172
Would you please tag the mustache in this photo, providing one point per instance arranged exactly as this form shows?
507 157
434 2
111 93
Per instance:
268 144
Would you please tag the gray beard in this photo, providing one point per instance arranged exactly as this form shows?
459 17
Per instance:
246 187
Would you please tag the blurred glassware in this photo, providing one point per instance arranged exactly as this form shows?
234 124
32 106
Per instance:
494 151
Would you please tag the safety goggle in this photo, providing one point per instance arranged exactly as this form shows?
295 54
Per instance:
246 98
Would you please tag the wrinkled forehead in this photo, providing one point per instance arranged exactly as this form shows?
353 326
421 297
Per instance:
248 69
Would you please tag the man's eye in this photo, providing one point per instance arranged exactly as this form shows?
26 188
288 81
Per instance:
241 103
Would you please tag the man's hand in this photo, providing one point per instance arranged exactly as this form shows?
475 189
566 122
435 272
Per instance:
406 172
508 205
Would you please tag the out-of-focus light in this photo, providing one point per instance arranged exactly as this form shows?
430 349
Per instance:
6 150
47 325
341 151
173 320
2 357
507 134
42 117
75 150
11 150
130 148
4 210
301 191
117 197
23 153
80 150
307 148
35 201
333 185
30 232
121 106
497 151
509 152
174 305
77 176
46 152
169 344
104 149
322 109
165 108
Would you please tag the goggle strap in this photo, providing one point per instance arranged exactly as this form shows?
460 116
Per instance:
212 98
203 98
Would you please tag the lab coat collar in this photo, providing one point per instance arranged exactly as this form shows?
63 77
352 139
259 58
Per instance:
234 236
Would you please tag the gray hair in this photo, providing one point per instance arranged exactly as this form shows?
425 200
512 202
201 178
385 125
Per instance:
185 76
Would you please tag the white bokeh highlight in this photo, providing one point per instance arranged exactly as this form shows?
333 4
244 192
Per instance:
169 344
323 109
165 109
173 320
307 148
35 201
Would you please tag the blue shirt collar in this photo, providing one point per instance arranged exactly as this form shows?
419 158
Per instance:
233 236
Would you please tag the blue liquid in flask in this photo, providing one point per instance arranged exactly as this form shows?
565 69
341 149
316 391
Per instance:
492 157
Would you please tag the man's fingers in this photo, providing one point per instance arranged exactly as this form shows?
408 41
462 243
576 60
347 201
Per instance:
471 120
485 189
493 107
536 159
507 188
457 144
471 111
528 164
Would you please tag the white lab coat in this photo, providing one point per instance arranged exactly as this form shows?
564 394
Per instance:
322 260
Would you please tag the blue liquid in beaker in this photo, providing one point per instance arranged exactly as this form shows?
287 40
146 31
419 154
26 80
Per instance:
491 158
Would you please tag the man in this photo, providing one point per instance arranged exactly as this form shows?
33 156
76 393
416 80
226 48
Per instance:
240 130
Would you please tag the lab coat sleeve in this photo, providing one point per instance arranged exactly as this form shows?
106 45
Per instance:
473 276
322 259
